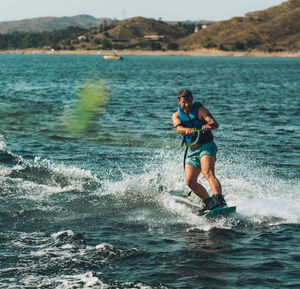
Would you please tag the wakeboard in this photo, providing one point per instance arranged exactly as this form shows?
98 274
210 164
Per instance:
224 211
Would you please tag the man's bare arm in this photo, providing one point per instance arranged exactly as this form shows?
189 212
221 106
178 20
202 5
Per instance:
205 115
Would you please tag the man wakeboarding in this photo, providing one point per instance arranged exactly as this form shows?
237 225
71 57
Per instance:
195 122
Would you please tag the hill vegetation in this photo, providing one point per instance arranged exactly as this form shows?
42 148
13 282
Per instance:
51 23
46 39
126 34
132 34
273 29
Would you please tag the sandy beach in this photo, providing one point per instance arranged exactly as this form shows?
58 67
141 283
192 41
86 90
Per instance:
196 52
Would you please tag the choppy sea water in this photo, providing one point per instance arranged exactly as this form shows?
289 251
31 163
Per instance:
101 210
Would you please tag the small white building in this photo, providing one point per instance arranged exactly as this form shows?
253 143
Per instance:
201 27
154 37
81 37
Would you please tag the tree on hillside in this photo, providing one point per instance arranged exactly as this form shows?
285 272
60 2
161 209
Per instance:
172 46
155 46
106 44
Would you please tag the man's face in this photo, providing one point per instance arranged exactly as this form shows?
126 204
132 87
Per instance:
186 104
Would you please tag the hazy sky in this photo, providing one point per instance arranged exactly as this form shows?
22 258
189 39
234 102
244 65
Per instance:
120 9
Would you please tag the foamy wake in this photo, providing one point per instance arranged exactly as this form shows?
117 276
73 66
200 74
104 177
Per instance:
257 193
61 249
2 143
260 195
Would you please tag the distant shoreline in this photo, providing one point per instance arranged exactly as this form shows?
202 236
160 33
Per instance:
196 52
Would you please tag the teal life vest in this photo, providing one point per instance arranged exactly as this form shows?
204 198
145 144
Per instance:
191 121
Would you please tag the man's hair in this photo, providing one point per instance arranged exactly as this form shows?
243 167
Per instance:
185 94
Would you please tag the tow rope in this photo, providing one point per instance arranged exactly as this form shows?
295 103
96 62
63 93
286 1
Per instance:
184 142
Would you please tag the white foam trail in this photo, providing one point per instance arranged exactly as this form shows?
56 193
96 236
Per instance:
2 143
74 178
67 233
63 247
256 192
68 171
85 280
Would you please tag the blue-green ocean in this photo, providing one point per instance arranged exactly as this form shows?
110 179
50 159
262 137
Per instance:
101 209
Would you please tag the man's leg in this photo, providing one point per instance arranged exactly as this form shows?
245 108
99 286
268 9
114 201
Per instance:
208 171
191 178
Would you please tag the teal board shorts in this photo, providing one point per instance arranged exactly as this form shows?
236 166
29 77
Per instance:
194 155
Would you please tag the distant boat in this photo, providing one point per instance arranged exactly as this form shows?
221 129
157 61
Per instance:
113 57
